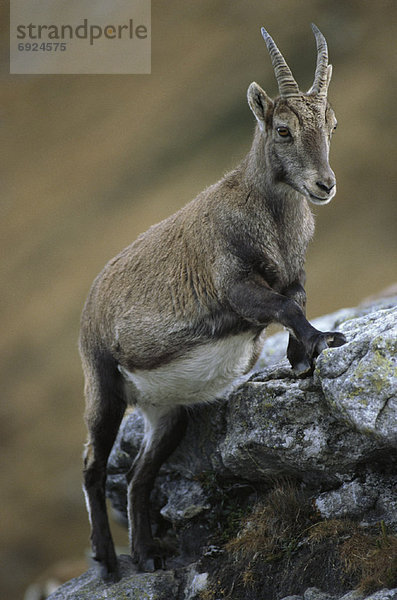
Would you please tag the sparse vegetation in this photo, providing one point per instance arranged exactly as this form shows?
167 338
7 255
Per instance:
331 528
372 558
275 527
282 546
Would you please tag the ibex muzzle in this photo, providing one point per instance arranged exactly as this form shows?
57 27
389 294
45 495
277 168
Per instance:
178 316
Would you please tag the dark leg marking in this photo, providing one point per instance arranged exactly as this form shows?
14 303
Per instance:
105 410
298 357
158 445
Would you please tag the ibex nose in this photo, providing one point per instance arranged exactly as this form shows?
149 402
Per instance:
327 184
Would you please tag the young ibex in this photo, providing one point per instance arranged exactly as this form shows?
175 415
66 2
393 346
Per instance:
177 316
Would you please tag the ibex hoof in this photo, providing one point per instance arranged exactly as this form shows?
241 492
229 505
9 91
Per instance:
329 339
335 339
303 369
149 564
109 573
152 558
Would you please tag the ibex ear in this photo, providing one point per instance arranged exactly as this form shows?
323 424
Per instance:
258 101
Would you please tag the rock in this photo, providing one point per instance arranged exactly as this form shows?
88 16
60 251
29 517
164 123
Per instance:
285 427
276 425
320 429
350 500
187 584
195 584
386 504
335 432
53 577
375 497
160 585
383 595
354 595
185 501
359 380
315 594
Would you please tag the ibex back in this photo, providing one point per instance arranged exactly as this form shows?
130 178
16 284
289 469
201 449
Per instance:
177 317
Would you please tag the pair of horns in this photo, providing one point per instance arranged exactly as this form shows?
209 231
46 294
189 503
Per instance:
286 83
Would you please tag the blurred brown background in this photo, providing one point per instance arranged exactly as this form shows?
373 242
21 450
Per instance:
88 162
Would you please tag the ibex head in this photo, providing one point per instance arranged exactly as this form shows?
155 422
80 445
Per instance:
297 126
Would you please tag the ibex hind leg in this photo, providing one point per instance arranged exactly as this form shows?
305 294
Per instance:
165 427
104 412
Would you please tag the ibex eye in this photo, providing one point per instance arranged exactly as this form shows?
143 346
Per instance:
283 131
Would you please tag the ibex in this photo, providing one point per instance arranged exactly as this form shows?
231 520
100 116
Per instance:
176 318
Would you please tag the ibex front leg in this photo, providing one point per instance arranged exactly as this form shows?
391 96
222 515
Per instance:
296 352
255 301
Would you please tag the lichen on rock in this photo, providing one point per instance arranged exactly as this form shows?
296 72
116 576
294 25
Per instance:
360 381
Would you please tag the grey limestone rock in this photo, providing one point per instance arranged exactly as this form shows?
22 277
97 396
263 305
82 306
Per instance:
359 380
184 501
187 584
315 594
336 432
320 429
383 595
375 497
160 585
284 427
350 499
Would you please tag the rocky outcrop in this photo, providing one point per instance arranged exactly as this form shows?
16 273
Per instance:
315 594
333 434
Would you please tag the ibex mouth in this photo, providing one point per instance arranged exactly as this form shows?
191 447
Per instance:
318 199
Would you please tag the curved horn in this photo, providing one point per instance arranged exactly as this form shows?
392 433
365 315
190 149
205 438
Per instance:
320 84
286 83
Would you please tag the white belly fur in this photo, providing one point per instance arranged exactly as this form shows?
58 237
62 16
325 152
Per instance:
203 374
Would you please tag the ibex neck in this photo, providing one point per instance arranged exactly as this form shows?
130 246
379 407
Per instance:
261 175
255 163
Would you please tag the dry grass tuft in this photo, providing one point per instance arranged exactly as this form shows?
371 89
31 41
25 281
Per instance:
282 538
207 594
249 579
274 527
332 528
373 558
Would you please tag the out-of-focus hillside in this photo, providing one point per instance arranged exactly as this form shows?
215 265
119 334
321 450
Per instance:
88 162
